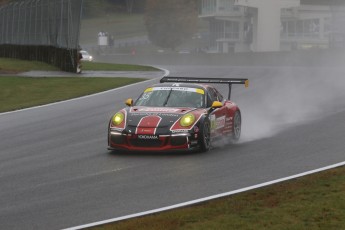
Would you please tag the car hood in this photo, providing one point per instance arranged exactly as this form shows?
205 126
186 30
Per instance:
158 119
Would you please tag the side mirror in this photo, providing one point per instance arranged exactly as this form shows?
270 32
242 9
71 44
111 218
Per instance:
129 102
216 104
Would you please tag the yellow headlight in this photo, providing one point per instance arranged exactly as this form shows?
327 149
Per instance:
118 118
187 120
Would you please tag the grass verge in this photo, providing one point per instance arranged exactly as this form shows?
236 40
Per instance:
10 65
23 92
14 66
313 202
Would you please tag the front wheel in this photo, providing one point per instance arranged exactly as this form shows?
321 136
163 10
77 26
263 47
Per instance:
205 136
236 130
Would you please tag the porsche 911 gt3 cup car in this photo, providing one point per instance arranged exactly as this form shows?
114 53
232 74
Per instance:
180 113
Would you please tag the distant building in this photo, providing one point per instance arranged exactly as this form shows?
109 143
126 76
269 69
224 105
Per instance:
273 25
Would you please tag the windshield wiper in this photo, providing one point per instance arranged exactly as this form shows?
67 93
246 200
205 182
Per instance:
166 101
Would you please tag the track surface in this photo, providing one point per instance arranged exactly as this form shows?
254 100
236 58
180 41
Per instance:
55 171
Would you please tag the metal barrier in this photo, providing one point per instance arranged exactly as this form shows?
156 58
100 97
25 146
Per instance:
42 30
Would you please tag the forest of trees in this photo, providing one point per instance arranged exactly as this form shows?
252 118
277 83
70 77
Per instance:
168 22
94 8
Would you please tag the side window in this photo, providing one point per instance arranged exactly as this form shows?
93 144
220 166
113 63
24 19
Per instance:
219 96
211 97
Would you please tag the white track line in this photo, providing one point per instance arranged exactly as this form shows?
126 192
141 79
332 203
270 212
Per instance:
166 73
206 198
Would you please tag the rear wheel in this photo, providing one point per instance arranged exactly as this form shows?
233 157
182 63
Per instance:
205 136
236 130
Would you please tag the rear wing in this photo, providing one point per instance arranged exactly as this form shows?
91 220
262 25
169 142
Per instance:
229 81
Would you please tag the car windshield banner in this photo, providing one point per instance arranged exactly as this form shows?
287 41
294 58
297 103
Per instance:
196 90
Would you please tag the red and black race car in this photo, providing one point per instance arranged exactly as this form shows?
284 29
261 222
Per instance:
180 113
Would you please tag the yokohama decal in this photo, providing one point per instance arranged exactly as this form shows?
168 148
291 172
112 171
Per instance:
148 125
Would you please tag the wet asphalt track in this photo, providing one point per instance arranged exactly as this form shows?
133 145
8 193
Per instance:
55 170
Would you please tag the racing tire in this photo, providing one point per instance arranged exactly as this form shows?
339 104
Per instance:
236 128
205 135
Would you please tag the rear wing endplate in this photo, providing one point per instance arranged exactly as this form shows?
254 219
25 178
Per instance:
229 81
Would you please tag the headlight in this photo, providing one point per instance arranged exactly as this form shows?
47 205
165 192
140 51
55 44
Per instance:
187 120
118 118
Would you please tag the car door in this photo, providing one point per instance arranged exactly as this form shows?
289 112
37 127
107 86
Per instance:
217 116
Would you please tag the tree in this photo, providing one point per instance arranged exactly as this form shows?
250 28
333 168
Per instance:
170 22
129 5
94 8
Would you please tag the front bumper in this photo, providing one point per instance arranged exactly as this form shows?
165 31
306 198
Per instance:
133 142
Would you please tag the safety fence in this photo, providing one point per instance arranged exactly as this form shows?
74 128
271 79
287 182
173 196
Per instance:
42 30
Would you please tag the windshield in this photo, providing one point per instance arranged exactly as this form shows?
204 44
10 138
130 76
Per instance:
172 97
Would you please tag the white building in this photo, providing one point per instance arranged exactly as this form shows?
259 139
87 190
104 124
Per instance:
272 25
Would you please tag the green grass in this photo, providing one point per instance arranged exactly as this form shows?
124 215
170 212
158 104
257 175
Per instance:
9 65
313 202
23 92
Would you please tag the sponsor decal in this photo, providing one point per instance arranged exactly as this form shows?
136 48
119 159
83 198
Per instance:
164 110
148 137
145 130
213 121
220 122
145 96
180 131
140 114
156 114
168 114
200 91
